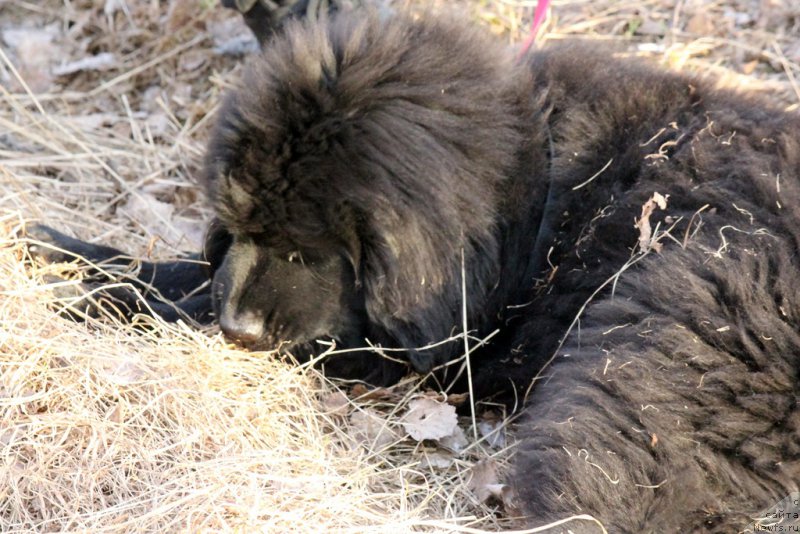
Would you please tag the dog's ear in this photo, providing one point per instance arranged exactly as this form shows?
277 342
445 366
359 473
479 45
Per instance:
217 242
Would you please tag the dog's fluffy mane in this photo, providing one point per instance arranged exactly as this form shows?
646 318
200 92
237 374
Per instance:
336 142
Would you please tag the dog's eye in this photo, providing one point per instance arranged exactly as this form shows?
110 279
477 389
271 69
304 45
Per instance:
293 256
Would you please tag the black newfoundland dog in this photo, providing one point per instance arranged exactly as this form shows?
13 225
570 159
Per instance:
632 236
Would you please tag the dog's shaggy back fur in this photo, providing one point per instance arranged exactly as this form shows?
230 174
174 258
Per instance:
671 406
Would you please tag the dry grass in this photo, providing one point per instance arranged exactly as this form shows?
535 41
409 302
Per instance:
162 428
109 428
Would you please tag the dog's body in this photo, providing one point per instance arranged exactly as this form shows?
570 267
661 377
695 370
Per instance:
362 162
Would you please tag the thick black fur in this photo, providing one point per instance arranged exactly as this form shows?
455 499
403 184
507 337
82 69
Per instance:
362 160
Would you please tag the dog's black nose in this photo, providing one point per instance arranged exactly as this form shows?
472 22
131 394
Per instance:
242 328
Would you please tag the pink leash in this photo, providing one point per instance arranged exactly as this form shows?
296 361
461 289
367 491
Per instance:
539 15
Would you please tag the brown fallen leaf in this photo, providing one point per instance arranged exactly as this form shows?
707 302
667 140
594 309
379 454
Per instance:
456 441
160 219
493 432
192 60
437 460
429 419
34 51
484 482
180 13
362 393
358 391
456 399
702 23
371 429
646 241
335 403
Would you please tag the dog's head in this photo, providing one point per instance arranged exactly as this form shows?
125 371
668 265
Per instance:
357 164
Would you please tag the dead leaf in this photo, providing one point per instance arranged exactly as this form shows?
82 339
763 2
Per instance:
34 52
124 370
437 460
456 441
701 23
7 436
493 433
335 403
371 429
116 414
192 60
646 241
180 13
159 219
358 391
362 393
484 482
651 28
232 37
457 399
429 419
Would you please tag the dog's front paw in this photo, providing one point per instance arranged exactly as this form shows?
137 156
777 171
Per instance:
51 246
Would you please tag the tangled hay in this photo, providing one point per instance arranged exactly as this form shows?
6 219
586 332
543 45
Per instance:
152 427
157 428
